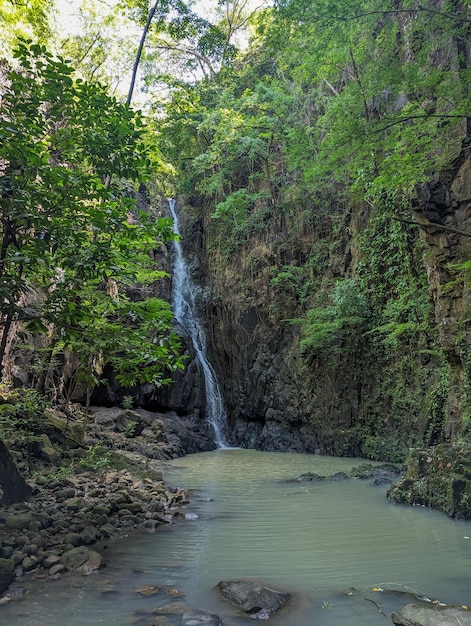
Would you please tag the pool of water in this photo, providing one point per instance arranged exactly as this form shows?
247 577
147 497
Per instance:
348 556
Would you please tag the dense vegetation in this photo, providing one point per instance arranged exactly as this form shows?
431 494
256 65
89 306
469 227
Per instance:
308 154
312 152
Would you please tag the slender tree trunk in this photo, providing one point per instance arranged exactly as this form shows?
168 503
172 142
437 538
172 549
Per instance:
3 343
139 50
45 371
14 486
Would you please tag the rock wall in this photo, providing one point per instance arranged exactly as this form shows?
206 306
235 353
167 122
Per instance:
279 399
444 210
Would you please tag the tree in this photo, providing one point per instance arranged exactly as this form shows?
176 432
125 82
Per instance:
23 18
69 223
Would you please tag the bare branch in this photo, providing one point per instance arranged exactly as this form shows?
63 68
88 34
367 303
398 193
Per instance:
449 229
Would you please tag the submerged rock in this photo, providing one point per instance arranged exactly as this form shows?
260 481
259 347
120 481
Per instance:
310 476
253 598
200 618
431 615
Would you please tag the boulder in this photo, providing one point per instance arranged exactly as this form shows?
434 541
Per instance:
18 521
253 598
199 618
421 614
82 560
130 423
7 568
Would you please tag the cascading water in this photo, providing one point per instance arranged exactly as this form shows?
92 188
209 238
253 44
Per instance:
184 308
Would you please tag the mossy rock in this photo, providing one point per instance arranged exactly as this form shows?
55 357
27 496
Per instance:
438 478
7 567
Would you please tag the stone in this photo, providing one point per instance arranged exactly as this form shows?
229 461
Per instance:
90 534
7 568
107 530
49 454
172 608
310 476
200 618
52 559
253 597
149 590
29 563
73 538
82 560
421 614
18 522
59 568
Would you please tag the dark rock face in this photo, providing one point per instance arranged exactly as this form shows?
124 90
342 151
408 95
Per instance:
253 598
431 615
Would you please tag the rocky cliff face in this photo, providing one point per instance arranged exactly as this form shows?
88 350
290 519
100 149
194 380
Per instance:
346 400
444 210
340 324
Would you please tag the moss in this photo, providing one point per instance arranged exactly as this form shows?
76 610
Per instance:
439 478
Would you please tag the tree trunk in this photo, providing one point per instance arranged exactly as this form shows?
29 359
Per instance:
3 343
14 486
139 50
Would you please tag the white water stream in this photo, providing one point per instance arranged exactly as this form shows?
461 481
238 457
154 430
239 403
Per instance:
186 314
317 539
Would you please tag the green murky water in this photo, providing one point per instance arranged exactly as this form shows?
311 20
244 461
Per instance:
330 543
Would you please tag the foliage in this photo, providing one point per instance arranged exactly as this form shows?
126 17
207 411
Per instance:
21 413
95 458
128 402
23 19
72 157
339 326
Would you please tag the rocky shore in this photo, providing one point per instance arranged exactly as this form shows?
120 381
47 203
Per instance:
85 492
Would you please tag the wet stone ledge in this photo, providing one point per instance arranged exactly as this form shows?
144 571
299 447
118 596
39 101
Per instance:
438 477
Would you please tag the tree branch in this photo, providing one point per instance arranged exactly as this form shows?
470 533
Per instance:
450 229
402 120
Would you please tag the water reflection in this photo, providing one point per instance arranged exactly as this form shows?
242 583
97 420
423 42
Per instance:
330 542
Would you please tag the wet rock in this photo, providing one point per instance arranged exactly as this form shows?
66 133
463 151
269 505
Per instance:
149 590
339 476
51 560
253 598
383 474
431 615
310 476
82 560
90 534
172 608
438 477
200 618
29 563
56 569
7 568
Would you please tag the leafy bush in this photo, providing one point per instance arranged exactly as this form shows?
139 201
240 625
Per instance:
96 458
21 413
342 321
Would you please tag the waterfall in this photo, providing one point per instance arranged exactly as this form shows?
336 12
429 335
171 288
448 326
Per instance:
184 308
